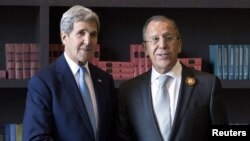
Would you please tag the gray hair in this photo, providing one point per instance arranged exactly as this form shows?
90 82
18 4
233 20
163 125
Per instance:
76 14
159 18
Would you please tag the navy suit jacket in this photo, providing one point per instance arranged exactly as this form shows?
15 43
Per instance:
199 106
55 110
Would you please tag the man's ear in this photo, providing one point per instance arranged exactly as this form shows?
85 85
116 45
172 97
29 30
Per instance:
63 37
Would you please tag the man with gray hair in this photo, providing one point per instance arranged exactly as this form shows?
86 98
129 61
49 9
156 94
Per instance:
71 99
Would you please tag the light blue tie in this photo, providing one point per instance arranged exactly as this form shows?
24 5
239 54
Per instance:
87 97
162 107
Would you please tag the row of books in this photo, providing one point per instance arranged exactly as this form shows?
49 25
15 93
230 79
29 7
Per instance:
127 70
142 63
21 60
12 132
121 70
139 63
230 62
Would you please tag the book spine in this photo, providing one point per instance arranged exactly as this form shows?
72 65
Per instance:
34 65
96 57
134 58
26 61
12 132
248 62
219 61
10 60
141 59
231 59
7 132
240 62
236 62
245 62
19 61
148 63
3 74
215 59
224 62
19 130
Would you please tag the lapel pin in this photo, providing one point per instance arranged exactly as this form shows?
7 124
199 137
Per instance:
99 80
190 81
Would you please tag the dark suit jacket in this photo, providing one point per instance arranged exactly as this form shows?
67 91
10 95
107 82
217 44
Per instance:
199 106
55 109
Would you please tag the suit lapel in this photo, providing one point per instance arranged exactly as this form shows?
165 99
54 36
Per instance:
183 101
69 84
98 87
147 101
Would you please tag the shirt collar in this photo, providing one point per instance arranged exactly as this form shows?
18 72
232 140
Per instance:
174 72
73 66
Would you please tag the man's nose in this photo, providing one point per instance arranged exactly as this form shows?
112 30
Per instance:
86 39
162 43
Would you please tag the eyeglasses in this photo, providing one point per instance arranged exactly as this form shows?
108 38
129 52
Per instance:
166 38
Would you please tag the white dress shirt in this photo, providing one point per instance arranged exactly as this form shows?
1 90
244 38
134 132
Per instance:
173 86
74 68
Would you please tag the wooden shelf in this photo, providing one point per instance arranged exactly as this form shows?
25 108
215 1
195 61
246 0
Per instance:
226 84
156 3
235 84
20 2
5 83
13 83
132 3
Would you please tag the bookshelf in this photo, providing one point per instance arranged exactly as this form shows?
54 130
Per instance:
12 105
13 83
200 22
226 84
236 84
18 25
